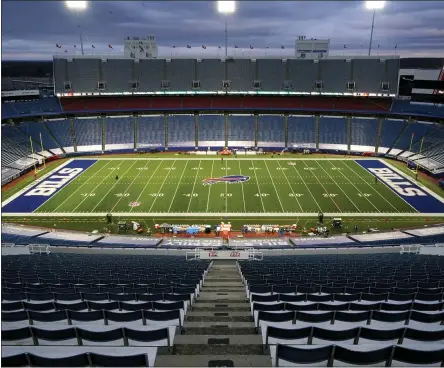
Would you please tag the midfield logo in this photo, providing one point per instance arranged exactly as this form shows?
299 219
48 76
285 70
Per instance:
230 179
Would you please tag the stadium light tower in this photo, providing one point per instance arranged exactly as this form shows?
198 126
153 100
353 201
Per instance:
373 5
78 6
226 7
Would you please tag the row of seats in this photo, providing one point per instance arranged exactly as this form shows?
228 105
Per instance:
285 355
310 335
79 360
81 336
348 316
70 317
90 305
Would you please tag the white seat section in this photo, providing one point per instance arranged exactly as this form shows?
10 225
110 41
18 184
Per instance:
64 351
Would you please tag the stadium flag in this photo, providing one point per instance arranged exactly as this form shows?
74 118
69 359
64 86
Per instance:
93 46
188 47
396 46
58 46
110 46
282 47
204 47
251 47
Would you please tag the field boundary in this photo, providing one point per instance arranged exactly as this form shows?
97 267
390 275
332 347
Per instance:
223 214
215 158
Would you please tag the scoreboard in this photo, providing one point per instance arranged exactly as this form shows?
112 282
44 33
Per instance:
141 48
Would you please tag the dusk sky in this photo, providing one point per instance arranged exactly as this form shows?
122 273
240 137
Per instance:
31 29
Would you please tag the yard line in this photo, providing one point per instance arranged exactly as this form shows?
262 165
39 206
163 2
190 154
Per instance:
126 190
226 188
112 171
340 188
294 194
209 189
275 189
345 176
144 187
177 186
323 187
312 196
371 186
255 178
194 185
242 186
81 185
113 187
164 180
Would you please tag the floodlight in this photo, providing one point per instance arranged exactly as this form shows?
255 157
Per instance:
76 5
226 7
374 5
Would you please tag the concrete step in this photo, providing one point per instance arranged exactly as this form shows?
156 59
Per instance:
213 361
230 325
195 313
215 318
234 296
210 339
217 349
219 301
221 307
220 329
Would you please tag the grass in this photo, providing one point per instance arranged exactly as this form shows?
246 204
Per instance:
271 187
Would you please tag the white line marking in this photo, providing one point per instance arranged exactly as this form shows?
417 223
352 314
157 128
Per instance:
143 189
164 180
345 176
326 191
112 186
194 185
242 186
294 194
257 182
94 176
371 186
126 190
209 189
275 189
177 186
340 188
317 204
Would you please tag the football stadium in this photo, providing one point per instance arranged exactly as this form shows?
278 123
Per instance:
220 206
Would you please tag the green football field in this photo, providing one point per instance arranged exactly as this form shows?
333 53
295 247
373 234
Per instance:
179 187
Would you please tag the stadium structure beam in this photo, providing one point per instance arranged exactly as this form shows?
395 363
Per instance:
226 7
78 6
373 5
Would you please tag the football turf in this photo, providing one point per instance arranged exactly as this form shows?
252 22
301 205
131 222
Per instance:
264 186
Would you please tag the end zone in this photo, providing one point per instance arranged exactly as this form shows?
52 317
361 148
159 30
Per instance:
419 197
32 197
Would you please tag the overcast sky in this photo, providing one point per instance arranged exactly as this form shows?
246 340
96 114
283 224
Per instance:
31 29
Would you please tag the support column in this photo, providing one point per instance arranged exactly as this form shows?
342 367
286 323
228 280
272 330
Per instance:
256 128
73 134
226 128
136 133
166 131
286 129
317 132
196 129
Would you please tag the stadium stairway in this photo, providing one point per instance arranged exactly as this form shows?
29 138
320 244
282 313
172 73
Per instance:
219 330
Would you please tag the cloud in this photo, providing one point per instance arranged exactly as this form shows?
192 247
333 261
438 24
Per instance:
416 27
